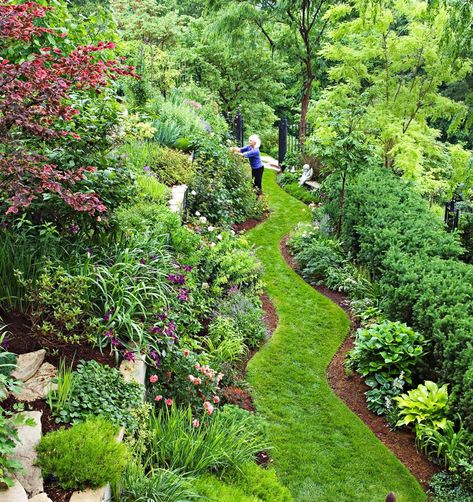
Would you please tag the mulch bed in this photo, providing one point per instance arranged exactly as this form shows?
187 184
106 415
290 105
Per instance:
351 388
243 227
21 339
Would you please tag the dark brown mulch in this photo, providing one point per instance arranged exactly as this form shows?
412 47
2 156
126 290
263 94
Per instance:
21 339
270 314
351 389
249 224
55 493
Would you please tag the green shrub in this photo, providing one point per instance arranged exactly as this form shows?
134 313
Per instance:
306 195
85 456
158 485
182 378
387 349
99 390
159 224
249 484
248 316
221 190
426 405
61 309
315 254
215 490
168 166
228 264
219 443
150 188
224 343
391 230
262 483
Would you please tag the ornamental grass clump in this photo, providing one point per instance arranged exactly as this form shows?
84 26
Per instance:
85 456
216 443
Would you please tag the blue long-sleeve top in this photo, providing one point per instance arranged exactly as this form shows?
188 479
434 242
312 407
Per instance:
253 155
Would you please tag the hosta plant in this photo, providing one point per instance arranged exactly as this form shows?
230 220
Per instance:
380 399
386 349
426 405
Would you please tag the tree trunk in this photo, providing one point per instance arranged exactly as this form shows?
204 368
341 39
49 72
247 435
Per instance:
305 108
342 203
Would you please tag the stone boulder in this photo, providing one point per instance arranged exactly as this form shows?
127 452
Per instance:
15 494
38 386
28 364
25 453
42 497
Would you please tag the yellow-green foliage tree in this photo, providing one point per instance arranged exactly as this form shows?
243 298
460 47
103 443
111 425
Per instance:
389 61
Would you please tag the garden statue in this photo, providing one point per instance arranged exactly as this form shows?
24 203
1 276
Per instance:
306 174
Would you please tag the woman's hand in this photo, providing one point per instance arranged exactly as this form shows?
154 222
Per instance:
235 149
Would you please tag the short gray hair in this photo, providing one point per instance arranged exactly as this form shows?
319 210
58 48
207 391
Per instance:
255 138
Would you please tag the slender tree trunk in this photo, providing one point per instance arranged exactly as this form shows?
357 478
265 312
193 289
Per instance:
304 109
342 203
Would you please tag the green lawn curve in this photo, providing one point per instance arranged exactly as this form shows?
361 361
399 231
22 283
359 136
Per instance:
322 451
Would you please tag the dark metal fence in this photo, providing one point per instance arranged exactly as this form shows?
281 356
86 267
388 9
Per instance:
290 139
237 126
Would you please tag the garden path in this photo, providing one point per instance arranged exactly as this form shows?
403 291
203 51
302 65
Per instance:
322 451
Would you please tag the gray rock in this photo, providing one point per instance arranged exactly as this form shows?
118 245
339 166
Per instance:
134 371
15 494
28 364
98 495
42 497
39 385
25 452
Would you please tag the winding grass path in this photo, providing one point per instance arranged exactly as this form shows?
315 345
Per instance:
322 451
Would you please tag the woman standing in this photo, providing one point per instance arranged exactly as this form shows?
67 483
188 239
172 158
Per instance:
251 152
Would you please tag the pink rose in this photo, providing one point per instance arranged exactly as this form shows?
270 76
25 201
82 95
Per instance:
216 399
208 406
195 423
168 402
158 398
197 366
153 378
197 381
191 378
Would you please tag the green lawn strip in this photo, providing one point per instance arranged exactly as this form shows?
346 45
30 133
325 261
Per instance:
322 451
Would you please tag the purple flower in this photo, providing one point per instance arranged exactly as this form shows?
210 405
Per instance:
183 295
108 315
143 261
146 168
5 343
156 330
128 356
176 278
233 290
109 333
186 268
115 342
155 357
74 229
